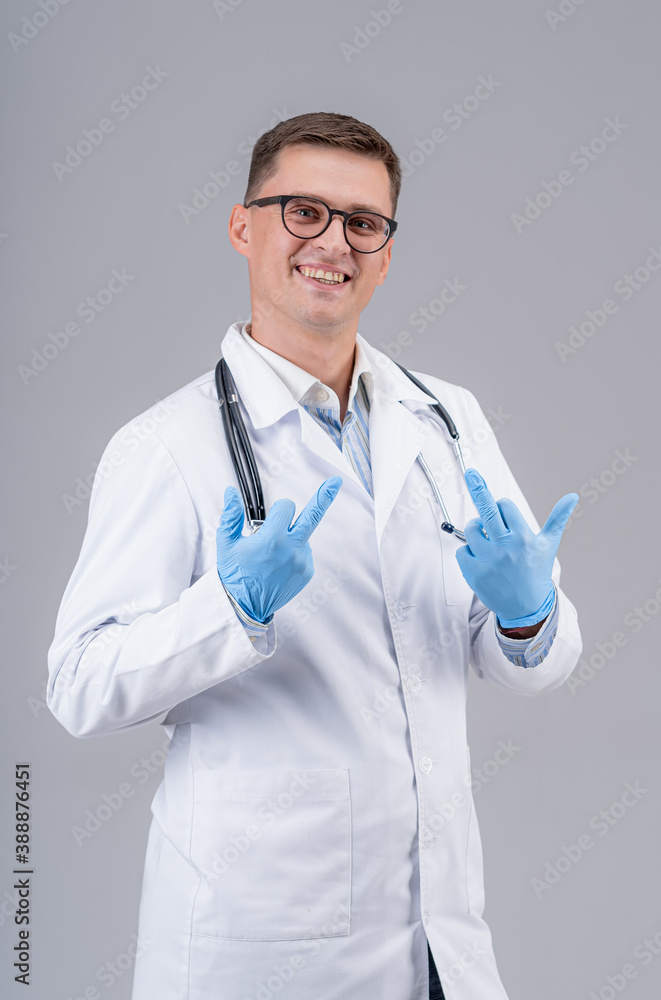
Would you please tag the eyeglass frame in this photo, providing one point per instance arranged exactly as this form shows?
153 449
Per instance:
282 199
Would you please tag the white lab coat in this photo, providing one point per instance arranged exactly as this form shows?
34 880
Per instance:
315 823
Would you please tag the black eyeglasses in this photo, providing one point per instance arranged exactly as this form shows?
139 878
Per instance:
307 218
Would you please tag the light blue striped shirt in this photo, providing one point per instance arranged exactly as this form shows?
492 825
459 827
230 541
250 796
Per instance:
352 438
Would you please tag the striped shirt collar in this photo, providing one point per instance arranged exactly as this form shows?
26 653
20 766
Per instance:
304 387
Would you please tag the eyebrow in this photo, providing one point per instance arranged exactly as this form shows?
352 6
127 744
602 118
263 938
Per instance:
352 208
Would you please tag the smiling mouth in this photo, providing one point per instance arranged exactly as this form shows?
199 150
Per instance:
324 277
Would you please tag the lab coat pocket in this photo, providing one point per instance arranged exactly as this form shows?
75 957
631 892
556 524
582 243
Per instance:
474 859
456 589
273 851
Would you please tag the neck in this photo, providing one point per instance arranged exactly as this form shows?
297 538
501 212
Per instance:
331 359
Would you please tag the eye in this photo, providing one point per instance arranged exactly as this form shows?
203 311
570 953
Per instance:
302 210
367 223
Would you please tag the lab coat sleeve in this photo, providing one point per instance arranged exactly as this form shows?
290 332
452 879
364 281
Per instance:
138 633
486 654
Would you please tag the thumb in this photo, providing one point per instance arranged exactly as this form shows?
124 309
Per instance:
232 516
557 519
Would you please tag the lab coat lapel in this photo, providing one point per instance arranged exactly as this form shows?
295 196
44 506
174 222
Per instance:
397 435
262 394
320 442
396 438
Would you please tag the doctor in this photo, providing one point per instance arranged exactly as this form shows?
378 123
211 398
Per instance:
314 833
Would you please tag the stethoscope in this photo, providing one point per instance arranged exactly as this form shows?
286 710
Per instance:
245 465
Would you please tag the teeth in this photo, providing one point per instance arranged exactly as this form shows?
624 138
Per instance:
326 276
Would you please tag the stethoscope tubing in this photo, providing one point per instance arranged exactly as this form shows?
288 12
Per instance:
447 524
438 407
239 445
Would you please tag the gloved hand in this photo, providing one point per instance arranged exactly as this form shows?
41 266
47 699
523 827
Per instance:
510 571
265 570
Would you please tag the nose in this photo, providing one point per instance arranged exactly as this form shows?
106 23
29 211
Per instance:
332 239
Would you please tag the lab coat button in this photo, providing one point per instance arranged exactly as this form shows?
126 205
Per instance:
425 764
322 395
401 609
413 683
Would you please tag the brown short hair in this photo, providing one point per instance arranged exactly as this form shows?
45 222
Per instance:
321 128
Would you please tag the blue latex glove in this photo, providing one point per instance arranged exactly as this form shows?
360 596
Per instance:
510 571
265 570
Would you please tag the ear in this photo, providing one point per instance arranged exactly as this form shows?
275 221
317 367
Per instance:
385 264
239 230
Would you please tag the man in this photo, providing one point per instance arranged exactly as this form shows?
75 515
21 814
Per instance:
314 835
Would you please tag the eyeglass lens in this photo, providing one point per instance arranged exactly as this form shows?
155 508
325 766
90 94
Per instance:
306 218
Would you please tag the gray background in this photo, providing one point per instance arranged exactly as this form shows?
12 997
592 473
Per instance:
229 72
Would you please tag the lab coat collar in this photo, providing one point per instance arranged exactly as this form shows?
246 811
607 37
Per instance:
268 398
264 395
303 386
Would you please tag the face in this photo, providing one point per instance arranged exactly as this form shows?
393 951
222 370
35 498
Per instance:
281 295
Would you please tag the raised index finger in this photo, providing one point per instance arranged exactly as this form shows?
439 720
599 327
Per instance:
315 508
487 507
